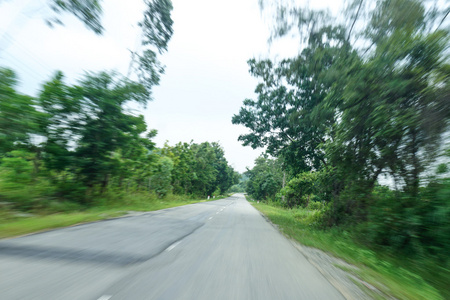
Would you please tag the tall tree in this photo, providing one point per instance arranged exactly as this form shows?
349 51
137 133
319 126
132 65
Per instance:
393 104
87 124
289 117
18 117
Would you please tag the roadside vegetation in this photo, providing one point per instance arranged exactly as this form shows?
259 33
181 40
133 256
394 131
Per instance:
391 274
356 132
77 152
110 205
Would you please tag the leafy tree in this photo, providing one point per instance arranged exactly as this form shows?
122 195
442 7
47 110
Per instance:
17 167
391 104
354 113
225 174
18 117
87 11
199 168
289 117
61 109
265 179
156 31
105 127
161 179
298 190
87 124
240 183
156 26
183 159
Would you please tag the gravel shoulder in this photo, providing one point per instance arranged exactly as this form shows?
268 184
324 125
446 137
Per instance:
334 270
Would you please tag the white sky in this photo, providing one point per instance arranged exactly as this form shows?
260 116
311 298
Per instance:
206 76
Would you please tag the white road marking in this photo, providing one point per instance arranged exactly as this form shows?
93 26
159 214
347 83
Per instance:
210 218
105 297
173 246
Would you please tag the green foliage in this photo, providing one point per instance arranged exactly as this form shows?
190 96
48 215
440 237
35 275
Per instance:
412 225
87 11
90 145
351 114
236 188
338 116
156 26
393 276
265 179
18 117
17 167
81 146
200 168
160 182
240 186
298 191
87 124
19 181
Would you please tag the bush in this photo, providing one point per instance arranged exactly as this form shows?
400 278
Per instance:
411 225
316 205
299 190
72 191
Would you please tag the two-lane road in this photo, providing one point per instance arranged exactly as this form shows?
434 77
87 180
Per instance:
221 249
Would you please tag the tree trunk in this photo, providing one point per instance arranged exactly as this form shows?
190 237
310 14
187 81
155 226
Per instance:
104 183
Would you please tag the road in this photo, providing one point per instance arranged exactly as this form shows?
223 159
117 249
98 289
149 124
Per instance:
221 249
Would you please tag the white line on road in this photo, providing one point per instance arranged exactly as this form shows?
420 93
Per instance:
210 218
173 246
105 297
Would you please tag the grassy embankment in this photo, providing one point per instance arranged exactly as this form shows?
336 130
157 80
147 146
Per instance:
398 277
13 223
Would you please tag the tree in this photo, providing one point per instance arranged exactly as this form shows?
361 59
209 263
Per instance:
354 113
156 26
289 117
393 104
264 179
200 169
162 177
87 124
18 117
87 11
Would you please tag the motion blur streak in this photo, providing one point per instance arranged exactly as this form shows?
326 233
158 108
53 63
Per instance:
234 255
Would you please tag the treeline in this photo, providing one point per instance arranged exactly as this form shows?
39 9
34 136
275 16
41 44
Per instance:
77 142
362 100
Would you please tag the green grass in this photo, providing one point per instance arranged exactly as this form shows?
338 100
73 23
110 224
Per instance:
386 274
38 223
107 207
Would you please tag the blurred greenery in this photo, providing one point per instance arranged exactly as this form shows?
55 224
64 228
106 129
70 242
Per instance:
366 99
76 147
392 275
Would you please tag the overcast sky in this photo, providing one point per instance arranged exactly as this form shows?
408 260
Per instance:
206 76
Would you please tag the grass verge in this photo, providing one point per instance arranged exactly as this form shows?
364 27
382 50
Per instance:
386 274
12 224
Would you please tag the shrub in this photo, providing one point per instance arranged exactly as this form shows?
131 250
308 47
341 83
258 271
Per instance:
299 190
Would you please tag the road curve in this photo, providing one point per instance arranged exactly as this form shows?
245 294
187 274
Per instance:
221 249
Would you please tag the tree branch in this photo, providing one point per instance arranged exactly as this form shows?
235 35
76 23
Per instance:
354 21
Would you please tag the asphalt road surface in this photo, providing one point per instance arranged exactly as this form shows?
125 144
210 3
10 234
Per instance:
221 249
